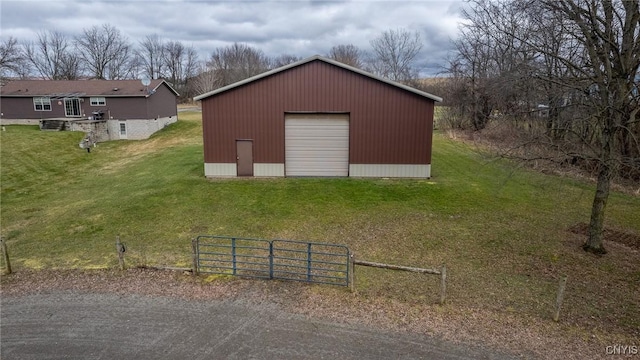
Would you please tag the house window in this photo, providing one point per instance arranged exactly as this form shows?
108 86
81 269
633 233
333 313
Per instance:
98 101
42 104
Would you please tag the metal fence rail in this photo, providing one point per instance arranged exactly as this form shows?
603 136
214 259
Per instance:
310 262
233 256
276 259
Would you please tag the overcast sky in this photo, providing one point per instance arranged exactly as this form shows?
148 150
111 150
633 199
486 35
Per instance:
301 28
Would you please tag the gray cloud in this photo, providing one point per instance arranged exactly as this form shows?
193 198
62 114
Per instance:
301 28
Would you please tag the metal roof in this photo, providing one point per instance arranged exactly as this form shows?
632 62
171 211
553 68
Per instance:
316 58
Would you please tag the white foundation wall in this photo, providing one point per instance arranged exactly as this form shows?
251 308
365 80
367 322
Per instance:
138 129
19 121
231 170
390 170
268 170
355 170
220 169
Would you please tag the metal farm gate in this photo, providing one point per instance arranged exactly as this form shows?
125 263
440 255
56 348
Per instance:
276 259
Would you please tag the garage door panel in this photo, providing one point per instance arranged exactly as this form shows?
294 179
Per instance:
319 152
317 145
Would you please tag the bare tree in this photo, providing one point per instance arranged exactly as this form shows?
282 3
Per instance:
123 66
493 64
284 59
105 52
11 58
237 62
394 52
206 80
151 56
181 64
581 57
52 57
608 31
347 54
473 64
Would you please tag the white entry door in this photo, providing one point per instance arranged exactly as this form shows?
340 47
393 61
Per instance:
122 128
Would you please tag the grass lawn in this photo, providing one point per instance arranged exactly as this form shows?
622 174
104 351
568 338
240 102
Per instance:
501 230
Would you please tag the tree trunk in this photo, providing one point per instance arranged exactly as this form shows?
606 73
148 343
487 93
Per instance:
596 226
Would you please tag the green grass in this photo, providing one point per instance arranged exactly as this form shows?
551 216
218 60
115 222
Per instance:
501 230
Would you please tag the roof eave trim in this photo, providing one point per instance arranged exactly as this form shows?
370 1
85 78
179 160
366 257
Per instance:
304 61
169 86
251 79
384 80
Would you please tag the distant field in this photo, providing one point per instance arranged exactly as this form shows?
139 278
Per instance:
502 231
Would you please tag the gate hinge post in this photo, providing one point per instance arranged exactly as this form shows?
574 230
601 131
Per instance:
194 256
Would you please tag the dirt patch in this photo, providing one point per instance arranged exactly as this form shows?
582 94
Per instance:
518 334
610 235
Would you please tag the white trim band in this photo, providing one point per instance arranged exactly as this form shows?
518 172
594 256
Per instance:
268 170
220 169
390 170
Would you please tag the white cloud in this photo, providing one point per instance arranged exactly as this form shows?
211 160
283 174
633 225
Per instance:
301 28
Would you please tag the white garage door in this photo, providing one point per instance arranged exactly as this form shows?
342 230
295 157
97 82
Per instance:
317 145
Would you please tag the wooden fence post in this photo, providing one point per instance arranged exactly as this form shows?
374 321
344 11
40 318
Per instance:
443 284
352 268
5 254
194 256
120 249
559 298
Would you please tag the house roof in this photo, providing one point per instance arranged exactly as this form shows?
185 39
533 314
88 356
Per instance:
308 60
81 88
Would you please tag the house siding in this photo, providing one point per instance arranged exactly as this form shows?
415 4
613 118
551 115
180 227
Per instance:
22 108
163 103
388 125
144 115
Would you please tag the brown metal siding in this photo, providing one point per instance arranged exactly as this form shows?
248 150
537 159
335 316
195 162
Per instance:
388 125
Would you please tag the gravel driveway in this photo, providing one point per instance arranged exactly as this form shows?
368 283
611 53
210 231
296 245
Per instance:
73 324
